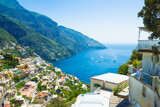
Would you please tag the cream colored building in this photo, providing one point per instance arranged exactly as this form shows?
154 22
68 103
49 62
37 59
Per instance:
144 84
91 100
107 81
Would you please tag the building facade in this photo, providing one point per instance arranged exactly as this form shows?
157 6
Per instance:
144 83
107 81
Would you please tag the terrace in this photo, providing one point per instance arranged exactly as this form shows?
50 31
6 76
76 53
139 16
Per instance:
144 78
149 80
145 44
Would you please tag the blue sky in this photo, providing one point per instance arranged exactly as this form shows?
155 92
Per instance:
108 21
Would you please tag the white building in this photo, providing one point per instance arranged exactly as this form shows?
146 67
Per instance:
1 57
91 100
107 81
144 84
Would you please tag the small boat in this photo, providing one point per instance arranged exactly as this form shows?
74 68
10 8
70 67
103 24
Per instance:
114 61
101 56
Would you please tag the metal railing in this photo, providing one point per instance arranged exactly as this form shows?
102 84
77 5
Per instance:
144 77
147 43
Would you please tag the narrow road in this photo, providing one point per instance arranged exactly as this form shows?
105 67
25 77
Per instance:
5 90
3 98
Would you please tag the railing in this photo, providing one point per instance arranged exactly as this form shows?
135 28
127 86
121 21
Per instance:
147 43
144 77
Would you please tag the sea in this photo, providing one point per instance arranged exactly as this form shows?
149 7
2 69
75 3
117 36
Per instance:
95 62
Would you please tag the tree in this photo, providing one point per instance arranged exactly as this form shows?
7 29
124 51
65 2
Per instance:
10 60
137 63
151 16
135 60
18 93
16 79
57 102
34 79
20 85
1 69
39 87
123 69
136 55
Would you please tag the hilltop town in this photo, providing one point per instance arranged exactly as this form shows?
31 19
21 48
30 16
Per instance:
31 81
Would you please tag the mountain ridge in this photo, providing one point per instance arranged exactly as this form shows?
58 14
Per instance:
70 40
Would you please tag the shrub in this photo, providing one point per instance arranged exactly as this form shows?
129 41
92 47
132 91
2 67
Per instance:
20 85
119 88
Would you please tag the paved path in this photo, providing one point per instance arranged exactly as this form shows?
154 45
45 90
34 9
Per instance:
118 102
3 98
5 90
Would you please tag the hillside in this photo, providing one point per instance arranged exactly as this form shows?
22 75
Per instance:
5 38
65 39
80 40
25 36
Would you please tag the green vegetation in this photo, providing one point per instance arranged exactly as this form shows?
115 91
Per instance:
135 55
16 79
119 88
5 38
69 93
155 50
150 14
20 85
9 61
43 35
59 103
135 60
75 90
39 87
79 40
123 69
34 79
16 104
15 52
45 47
18 93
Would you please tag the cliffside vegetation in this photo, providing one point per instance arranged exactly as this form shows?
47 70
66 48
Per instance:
135 60
26 36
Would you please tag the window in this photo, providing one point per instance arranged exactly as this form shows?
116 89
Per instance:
144 91
97 85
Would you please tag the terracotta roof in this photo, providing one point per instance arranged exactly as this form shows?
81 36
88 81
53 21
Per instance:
0 74
44 94
8 105
41 94
63 78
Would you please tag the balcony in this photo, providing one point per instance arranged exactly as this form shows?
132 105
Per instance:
144 78
147 44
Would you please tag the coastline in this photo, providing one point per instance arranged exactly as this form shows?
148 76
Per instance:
86 64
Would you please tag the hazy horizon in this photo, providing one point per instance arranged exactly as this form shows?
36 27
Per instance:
109 22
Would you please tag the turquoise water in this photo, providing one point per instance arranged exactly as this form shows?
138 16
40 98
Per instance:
95 62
